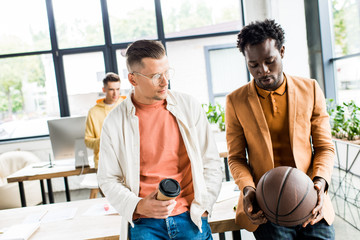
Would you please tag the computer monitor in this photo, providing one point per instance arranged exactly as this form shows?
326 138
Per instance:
67 139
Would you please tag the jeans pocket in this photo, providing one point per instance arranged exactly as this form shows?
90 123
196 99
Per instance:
137 221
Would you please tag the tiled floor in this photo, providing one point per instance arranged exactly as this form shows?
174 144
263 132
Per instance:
343 230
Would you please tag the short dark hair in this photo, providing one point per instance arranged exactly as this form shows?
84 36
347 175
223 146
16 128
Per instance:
111 77
258 31
143 49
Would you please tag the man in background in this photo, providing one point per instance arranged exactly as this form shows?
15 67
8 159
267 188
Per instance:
97 114
277 120
155 134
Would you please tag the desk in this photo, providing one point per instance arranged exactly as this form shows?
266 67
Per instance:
222 148
61 168
103 227
65 168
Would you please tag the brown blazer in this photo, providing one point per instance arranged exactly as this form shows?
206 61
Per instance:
249 142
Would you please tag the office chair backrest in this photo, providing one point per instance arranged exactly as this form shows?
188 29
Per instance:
13 161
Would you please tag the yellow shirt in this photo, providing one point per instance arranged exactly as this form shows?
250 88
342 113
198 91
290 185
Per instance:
94 122
275 109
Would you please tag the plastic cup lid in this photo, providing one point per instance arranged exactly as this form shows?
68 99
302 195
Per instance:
169 187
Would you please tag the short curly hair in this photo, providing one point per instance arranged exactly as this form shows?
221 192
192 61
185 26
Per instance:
258 31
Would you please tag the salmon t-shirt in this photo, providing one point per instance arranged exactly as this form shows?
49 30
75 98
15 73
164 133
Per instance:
162 154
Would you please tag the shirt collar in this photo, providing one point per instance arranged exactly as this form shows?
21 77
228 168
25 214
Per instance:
170 100
280 90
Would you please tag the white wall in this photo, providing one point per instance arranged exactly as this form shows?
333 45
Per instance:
291 16
188 59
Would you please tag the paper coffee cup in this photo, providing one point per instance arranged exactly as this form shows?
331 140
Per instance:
168 189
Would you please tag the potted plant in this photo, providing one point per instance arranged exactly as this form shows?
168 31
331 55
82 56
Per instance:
216 116
344 189
344 120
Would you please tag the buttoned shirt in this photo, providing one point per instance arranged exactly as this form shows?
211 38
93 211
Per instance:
275 108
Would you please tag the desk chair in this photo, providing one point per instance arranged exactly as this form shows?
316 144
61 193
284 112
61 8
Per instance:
11 162
90 182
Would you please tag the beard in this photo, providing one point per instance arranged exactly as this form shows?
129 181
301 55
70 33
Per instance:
277 80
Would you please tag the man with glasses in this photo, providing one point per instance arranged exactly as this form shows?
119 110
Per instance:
155 134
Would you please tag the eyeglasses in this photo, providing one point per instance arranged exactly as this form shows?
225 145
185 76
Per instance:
158 77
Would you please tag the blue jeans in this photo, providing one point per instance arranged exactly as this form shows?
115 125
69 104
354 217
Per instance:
175 227
318 231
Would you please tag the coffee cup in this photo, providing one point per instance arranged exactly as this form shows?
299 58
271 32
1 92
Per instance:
168 189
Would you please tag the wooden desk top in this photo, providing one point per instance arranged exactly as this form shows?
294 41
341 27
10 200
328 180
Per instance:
80 227
223 216
103 227
222 148
61 168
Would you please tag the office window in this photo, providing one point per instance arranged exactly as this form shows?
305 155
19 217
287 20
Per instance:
346 30
346 26
188 59
70 65
22 30
84 74
123 72
195 17
78 23
347 74
226 71
132 20
28 96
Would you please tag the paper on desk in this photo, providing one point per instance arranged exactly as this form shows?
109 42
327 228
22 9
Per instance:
228 191
59 214
35 217
99 210
20 231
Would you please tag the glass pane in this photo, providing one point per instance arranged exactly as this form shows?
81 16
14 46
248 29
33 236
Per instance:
193 17
348 80
23 26
84 74
346 24
123 72
220 100
78 23
28 96
227 69
132 20
188 59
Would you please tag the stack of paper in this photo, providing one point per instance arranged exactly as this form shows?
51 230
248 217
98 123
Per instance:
100 209
20 231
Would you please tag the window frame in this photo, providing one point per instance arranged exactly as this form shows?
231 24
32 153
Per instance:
207 50
109 51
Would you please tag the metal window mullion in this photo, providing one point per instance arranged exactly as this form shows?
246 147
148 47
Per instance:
327 49
345 57
159 22
58 63
109 52
242 5
10 55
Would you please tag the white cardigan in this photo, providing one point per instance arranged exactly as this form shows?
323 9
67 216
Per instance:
119 160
